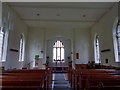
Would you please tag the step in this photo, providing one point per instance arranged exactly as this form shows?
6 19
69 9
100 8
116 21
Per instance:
60 85
60 82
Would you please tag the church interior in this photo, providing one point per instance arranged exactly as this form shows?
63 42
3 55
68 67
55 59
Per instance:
59 45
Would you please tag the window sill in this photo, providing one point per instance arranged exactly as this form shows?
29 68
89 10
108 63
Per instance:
117 61
2 61
21 61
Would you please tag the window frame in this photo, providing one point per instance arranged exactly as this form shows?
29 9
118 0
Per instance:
118 37
21 48
116 42
97 50
4 43
58 45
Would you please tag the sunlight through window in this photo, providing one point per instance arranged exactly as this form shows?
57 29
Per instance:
58 51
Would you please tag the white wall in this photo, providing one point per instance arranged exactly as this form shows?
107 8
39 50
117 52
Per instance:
34 45
0 19
80 41
12 60
0 13
82 45
36 40
104 28
65 35
43 38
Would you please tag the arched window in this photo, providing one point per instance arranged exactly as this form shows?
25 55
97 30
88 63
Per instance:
117 42
3 43
118 37
21 49
97 50
58 51
2 39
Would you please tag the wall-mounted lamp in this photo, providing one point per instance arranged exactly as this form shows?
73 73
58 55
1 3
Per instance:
41 51
77 55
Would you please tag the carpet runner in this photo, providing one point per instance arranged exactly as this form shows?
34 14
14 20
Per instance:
59 82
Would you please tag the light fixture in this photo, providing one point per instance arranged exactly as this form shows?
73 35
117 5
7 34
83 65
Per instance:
58 14
84 15
38 14
41 51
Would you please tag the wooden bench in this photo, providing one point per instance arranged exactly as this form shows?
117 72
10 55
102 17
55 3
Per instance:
26 79
109 85
93 84
84 78
79 77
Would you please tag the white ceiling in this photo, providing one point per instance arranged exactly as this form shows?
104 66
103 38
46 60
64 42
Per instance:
74 15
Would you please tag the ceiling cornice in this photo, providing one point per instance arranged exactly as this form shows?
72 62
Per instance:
54 20
56 7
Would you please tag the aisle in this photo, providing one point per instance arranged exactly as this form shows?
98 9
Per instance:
59 82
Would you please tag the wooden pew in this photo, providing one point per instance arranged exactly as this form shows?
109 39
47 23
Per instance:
24 70
80 66
23 83
81 76
25 78
84 78
109 85
19 77
93 84
96 66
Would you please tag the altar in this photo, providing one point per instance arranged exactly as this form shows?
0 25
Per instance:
60 68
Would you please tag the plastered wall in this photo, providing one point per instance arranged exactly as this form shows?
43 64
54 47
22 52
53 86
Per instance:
104 28
12 58
75 41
